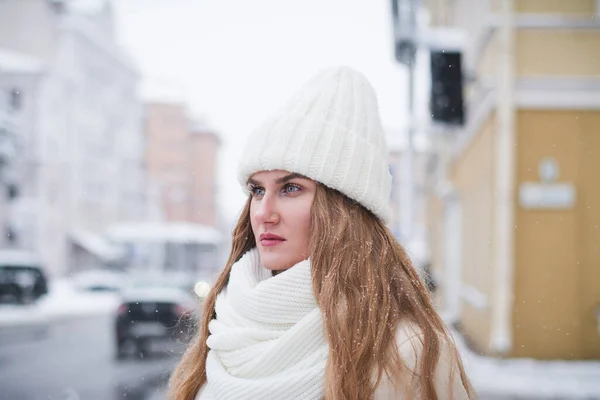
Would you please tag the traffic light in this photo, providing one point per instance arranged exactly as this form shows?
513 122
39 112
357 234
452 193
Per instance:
446 101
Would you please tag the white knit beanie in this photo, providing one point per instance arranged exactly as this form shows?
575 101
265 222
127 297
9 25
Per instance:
329 131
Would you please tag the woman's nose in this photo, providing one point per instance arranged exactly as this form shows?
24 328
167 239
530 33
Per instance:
267 210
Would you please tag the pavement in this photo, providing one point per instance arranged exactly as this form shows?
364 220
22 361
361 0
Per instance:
529 379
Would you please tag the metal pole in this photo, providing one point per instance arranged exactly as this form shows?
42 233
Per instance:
407 161
405 41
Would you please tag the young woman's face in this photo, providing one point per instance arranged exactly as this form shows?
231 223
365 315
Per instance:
280 217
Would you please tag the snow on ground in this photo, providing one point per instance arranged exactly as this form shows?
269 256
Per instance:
11 315
63 300
530 379
492 378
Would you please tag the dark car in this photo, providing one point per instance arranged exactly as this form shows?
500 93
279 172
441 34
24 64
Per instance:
150 314
22 279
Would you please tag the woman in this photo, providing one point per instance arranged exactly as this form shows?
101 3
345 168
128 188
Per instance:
317 299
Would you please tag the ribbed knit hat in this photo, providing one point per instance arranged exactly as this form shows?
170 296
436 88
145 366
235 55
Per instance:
329 131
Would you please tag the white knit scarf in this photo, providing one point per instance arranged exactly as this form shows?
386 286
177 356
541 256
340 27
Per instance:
267 341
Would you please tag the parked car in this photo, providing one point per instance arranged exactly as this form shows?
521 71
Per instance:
99 280
22 278
152 313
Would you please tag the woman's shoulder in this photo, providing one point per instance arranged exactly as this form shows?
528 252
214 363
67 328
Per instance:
410 344
408 332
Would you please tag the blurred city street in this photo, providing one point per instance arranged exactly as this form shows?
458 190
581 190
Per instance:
75 359
64 348
122 122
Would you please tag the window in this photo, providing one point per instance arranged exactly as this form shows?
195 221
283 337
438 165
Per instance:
16 99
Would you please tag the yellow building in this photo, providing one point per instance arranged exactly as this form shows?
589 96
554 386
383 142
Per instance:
514 208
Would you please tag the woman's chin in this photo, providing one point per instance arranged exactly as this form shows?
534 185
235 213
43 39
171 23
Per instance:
277 267
275 263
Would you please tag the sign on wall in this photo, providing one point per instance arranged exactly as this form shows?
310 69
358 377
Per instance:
547 194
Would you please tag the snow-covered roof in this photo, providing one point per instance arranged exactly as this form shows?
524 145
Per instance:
173 232
14 62
19 258
96 244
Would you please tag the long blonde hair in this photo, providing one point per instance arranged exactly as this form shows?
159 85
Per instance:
365 286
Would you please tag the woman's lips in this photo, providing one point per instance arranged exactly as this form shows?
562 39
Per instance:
271 242
270 239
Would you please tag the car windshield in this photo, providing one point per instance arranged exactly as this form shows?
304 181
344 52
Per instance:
21 284
22 275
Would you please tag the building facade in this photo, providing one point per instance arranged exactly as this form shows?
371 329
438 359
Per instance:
181 159
20 76
85 155
204 147
9 154
513 204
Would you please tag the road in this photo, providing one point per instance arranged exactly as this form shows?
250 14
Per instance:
74 360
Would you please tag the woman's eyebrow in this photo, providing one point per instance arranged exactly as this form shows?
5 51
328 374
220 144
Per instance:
289 178
279 181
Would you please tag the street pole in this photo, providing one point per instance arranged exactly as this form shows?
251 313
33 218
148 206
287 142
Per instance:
405 42
407 162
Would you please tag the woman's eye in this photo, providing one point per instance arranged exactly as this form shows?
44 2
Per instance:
256 191
291 188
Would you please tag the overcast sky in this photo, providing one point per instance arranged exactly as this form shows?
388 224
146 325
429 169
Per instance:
236 61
